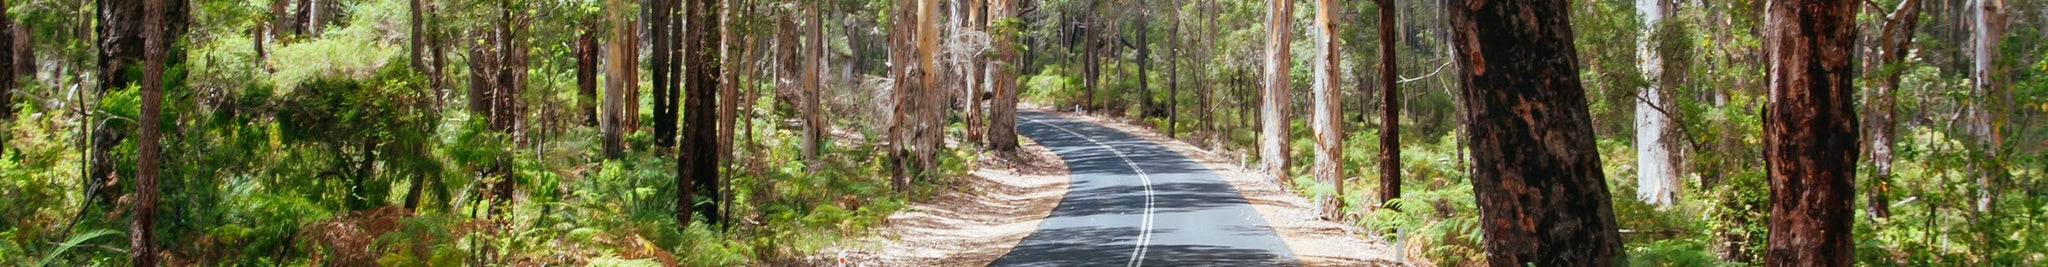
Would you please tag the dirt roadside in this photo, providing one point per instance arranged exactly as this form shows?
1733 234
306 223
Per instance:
975 220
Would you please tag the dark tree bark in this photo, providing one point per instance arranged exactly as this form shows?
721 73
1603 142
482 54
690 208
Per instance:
141 232
1810 131
418 38
8 48
586 74
120 48
1390 108
1536 174
697 149
658 29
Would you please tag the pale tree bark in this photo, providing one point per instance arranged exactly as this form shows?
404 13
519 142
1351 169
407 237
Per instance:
1656 177
1810 131
1542 198
141 231
1989 115
1004 29
932 109
621 67
1274 97
1390 109
1892 42
1327 121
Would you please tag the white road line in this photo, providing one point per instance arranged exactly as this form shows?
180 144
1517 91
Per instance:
1145 224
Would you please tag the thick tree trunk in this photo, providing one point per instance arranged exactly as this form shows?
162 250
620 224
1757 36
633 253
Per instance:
621 65
1390 109
1327 121
1536 174
697 149
141 231
1656 177
1274 98
1004 29
1810 131
121 47
659 26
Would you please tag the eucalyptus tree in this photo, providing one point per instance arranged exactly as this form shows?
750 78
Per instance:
1542 197
1810 131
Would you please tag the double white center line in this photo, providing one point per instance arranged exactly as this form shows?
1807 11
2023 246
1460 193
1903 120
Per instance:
1145 224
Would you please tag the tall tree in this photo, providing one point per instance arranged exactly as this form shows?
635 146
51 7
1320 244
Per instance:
1004 26
1536 174
142 230
1656 177
8 60
1390 109
121 47
1810 131
814 129
1988 118
621 78
586 72
1327 121
659 26
1893 41
697 150
1273 135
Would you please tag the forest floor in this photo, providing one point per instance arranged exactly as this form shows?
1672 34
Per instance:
1314 241
971 221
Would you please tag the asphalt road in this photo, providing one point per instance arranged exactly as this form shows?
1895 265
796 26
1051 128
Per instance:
1136 203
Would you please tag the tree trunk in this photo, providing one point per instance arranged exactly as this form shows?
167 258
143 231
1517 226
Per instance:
8 60
1810 131
1893 41
1004 27
1092 67
586 74
1536 174
813 50
1390 109
121 47
1173 76
620 67
141 231
1656 179
417 37
1146 108
1988 23
697 149
1274 99
659 26
1327 120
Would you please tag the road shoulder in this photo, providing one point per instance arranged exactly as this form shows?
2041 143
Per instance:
1314 241
973 221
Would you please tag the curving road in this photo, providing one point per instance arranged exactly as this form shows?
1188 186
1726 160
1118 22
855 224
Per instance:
1135 203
